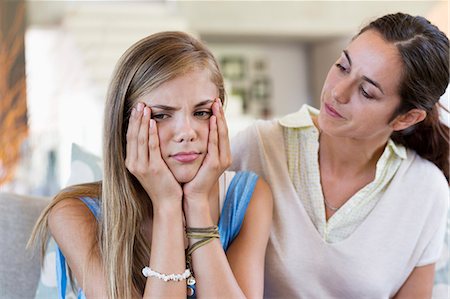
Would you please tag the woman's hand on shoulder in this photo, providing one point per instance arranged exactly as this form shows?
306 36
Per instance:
74 228
246 254
217 160
144 159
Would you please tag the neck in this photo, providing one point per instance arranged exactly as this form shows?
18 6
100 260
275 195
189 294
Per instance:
345 156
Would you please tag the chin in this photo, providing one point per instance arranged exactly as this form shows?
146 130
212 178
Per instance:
184 179
185 176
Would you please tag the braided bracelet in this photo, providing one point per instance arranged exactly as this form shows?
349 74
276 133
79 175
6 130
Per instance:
148 272
205 235
202 232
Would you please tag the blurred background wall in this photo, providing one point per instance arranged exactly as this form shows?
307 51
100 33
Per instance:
274 55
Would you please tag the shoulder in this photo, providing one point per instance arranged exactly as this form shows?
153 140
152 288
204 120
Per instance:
262 194
423 183
250 189
258 216
69 216
258 129
261 199
69 209
424 174
268 127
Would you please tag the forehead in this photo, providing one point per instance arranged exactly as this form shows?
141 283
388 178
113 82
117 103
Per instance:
189 88
377 59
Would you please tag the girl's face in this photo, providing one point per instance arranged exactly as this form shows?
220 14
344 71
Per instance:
182 108
360 93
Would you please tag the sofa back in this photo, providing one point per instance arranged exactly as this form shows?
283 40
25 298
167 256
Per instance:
19 268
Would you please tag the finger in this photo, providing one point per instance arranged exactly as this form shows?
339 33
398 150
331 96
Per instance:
153 143
142 138
133 131
222 129
213 146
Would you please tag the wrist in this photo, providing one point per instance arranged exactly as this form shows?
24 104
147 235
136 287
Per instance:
196 203
167 208
197 213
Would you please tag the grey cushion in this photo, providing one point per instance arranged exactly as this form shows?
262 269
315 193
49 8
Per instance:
19 268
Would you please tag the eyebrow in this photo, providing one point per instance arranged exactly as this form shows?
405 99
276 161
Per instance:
169 108
365 78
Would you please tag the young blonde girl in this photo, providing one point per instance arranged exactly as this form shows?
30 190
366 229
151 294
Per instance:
162 198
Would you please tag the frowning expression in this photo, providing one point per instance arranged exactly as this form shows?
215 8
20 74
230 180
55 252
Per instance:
181 108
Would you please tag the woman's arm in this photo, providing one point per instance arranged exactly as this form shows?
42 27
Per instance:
419 284
239 273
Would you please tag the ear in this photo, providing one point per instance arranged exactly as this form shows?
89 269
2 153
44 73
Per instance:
408 119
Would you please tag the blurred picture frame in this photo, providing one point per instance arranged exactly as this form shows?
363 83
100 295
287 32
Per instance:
242 94
233 67
261 89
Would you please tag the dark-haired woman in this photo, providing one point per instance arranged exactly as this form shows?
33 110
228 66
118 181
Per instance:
361 186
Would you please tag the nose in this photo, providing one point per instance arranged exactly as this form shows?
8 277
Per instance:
342 91
184 130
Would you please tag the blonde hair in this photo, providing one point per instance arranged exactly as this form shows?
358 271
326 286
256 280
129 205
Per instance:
146 65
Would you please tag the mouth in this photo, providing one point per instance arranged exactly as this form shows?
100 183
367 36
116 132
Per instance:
186 157
332 112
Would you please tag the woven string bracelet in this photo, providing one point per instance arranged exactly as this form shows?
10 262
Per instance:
205 235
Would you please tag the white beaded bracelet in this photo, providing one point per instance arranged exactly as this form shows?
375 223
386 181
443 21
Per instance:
148 272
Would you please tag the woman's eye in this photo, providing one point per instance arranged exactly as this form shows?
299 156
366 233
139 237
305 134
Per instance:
341 67
366 94
160 116
205 114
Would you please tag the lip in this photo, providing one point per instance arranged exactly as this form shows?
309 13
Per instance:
332 112
186 157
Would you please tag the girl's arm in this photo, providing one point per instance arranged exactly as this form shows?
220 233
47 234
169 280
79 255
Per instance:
144 161
74 228
240 272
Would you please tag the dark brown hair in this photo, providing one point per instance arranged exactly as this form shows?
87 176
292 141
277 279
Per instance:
424 51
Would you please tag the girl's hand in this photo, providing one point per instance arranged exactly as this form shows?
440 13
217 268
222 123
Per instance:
217 160
144 161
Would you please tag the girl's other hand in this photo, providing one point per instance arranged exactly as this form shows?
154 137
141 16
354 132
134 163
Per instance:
217 160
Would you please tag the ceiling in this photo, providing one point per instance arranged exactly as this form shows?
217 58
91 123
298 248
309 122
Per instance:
294 20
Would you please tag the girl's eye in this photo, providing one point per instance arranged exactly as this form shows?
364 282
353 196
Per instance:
160 116
204 114
341 68
365 93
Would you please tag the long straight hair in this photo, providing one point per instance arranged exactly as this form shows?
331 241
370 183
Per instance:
424 51
123 247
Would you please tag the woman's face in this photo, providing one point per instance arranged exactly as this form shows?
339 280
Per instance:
360 93
182 108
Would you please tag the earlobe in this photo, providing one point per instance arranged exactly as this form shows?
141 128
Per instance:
408 119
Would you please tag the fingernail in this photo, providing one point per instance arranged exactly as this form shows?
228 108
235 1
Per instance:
146 111
152 123
140 106
133 112
220 102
